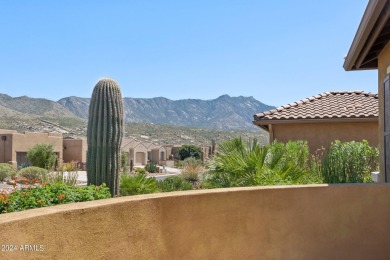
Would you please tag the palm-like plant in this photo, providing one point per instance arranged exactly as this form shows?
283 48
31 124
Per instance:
240 163
137 184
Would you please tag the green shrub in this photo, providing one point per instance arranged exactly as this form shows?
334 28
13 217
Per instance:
33 173
42 156
137 184
50 195
191 161
189 150
192 172
71 166
151 167
140 171
188 161
6 171
238 164
173 183
68 178
350 162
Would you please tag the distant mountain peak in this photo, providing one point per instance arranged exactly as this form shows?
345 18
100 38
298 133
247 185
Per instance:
224 112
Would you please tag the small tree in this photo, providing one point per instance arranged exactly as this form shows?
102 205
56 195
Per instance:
190 150
42 156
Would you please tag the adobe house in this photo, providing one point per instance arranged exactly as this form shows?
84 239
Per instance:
138 152
75 150
14 146
321 119
150 146
370 49
127 143
159 154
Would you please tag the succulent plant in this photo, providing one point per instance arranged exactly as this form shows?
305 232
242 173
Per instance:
105 131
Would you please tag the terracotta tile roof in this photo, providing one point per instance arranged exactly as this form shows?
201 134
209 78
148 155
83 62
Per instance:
334 104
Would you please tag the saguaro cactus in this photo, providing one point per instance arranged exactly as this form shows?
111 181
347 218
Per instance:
105 131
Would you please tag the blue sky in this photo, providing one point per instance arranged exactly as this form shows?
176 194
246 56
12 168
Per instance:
276 51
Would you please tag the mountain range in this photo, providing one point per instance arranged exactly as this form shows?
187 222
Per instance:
224 112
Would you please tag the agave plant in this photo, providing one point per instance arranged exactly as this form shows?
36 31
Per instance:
240 163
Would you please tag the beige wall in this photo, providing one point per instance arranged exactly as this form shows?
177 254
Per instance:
290 222
383 63
18 142
6 146
322 134
156 154
133 154
75 150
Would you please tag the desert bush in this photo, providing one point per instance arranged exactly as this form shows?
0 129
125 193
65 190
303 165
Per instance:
151 167
191 161
140 171
349 162
239 164
68 178
6 171
33 173
189 150
42 156
137 184
188 161
173 183
192 173
49 195
71 166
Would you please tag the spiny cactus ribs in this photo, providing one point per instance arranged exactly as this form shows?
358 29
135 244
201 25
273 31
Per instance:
105 131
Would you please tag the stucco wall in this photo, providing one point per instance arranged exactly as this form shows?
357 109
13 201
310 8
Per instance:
322 134
383 63
133 155
156 154
290 222
6 146
18 142
75 150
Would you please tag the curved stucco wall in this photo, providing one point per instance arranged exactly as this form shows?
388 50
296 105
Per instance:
290 222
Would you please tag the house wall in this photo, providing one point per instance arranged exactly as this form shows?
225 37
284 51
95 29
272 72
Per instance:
281 222
6 146
133 155
75 150
321 135
18 142
156 152
383 63
175 151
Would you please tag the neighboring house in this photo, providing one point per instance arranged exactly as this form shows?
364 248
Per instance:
172 151
138 152
321 119
150 146
127 143
75 150
14 146
159 154
370 49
